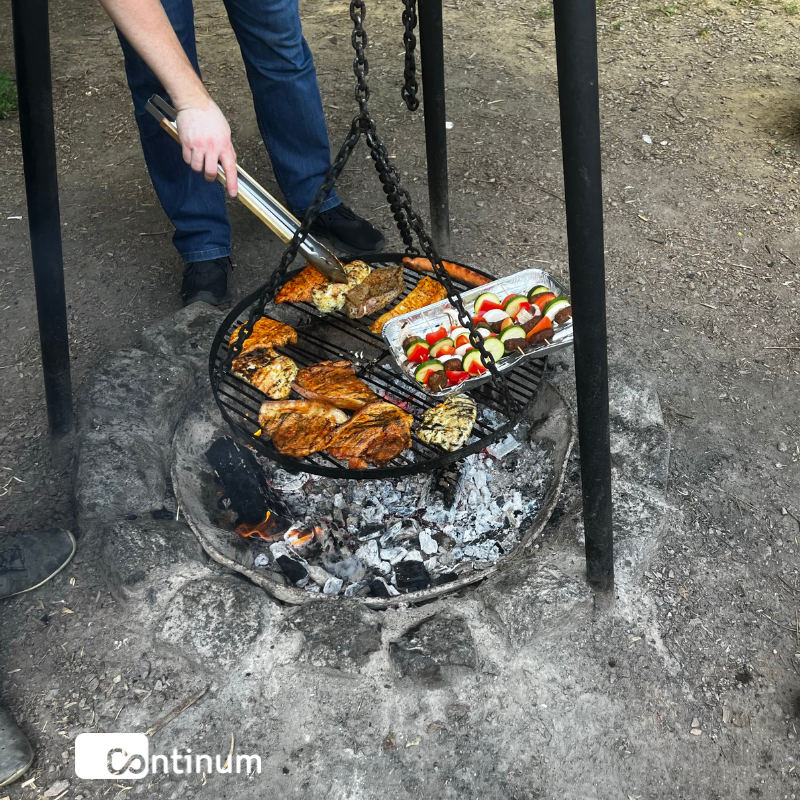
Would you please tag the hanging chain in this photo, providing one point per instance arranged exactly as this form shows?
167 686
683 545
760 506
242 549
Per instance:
410 87
408 221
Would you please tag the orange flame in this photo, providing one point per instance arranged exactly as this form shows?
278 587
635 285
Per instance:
262 530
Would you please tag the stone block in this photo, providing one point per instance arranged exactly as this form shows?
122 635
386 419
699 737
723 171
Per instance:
338 634
433 644
131 550
185 337
118 475
215 621
642 455
534 600
130 390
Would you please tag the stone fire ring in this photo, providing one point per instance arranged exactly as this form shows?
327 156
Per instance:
551 427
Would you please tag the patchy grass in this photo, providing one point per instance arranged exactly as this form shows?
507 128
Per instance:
793 9
703 33
8 95
545 11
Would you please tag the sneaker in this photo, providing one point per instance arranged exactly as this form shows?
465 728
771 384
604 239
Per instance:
347 231
16 754
207 282
29 560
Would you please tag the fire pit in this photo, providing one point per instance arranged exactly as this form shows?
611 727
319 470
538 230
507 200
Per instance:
382 541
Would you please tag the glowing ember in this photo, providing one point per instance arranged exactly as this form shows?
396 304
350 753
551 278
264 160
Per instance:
302 538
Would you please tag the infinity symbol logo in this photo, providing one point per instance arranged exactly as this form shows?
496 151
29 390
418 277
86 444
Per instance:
127 766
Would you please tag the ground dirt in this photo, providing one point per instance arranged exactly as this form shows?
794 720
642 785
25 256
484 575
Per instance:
700 108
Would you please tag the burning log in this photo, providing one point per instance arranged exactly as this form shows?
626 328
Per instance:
255 503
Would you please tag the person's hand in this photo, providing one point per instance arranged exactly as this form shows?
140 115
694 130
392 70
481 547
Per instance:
206 140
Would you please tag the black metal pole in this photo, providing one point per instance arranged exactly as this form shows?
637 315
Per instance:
576 54
34 86
431 48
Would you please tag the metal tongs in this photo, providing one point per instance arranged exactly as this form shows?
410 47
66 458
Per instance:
277 218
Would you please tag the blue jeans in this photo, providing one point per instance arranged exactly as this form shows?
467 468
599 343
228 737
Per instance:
288 106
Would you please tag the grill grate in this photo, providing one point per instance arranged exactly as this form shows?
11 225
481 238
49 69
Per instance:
326 337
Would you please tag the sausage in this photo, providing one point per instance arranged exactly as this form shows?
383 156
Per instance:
564 315
462 274
539 338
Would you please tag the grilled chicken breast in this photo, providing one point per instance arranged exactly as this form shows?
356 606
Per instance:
334 382
427 291
267 371
375 435
299 427
333 296
299 288
266 333
375 292
449 424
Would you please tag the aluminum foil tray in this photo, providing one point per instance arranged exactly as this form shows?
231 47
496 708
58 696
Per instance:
431 317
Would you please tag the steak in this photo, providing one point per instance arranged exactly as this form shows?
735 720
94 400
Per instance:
299 427
266 333
375 292
375 435
299 288
335 382
267 371
427 291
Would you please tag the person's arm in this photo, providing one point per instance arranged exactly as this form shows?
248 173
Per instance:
204 132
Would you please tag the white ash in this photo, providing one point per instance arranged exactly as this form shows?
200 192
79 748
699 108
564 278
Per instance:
365 528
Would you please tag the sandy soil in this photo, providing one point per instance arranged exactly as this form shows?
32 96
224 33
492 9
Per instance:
701 129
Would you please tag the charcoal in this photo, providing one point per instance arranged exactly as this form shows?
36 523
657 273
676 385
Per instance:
447 483
292 569
412 576
446 577
246 484
377 588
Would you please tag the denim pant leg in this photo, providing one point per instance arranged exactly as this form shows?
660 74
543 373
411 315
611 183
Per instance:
194 206
286 96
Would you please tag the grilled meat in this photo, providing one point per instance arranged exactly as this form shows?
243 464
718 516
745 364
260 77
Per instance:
455 271
375 292
332 296
427 291
449 425
334 382
375 435
267 371
299 288
299 427
266 333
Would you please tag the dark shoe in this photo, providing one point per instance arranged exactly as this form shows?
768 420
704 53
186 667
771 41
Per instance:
207 282
29 560
16 754
347 231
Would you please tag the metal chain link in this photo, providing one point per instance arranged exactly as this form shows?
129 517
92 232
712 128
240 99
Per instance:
410 87
399 200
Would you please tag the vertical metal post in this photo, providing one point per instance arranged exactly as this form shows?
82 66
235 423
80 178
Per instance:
431 48
576 54
34 86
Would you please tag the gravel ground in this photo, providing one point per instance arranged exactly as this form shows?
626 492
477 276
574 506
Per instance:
700 112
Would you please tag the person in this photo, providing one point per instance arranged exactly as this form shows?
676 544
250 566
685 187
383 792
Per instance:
27 562
158 42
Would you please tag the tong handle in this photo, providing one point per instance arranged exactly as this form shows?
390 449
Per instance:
254 197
